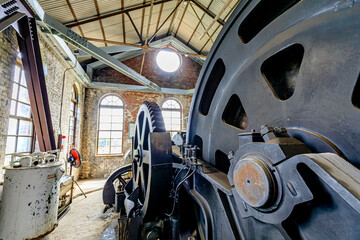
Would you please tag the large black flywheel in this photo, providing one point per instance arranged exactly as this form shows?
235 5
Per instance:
294 65
152 162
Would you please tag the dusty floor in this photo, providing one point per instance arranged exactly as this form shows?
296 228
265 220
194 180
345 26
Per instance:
86 219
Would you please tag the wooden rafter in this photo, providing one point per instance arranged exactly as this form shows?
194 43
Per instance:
100 21
174 14
226 16
208 12
200 22
74 16
111 14
216 18
167 18
123 21
135 28
147 35
182 17
142 20
160 12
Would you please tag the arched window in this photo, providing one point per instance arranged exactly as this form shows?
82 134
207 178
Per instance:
73 118
171 110
110 125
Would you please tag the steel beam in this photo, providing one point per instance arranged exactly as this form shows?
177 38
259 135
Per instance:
127 87
35 80
109 50
76 40
156 44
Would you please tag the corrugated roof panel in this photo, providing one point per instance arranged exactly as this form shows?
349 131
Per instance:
107 22
84 8
90 27
113 30
130 3
113 25
109 5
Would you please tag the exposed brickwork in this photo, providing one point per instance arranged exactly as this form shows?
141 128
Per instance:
54 82
7 58
184 78
54 68
132 102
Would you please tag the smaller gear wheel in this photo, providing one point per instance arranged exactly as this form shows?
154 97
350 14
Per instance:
152 159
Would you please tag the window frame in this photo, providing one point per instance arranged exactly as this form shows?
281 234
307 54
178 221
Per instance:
15 99
173 110
98 126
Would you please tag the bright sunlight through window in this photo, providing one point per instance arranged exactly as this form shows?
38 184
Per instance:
168 60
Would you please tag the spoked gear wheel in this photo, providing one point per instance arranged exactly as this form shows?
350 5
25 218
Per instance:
293 64
152 159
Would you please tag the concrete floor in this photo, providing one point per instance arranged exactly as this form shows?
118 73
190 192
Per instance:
86 219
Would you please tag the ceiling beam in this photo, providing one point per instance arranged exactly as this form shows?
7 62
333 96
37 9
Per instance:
128 87
100 21
182 17
167 18
108 49
111 14
74 16
76 40
154 45
207 11
135 28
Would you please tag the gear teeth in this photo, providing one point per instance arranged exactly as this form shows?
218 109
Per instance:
155 115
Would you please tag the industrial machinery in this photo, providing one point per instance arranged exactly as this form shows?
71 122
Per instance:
30 196
272 148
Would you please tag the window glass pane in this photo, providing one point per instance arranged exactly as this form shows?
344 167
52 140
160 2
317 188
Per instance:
105 119
116 134
166 114
72 121
10 145
117 111
7 160
104 142
115 150
117 119
23 144
116 126
12 107
104 126
22 81
105 111
25 128
116 142
12 126
104 150
104 134
72 106
23 110
176 115
14 91
17 74
24 95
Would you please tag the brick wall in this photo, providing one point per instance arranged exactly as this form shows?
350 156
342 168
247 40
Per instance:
54 83
7 67
54 69
101 166
184 78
